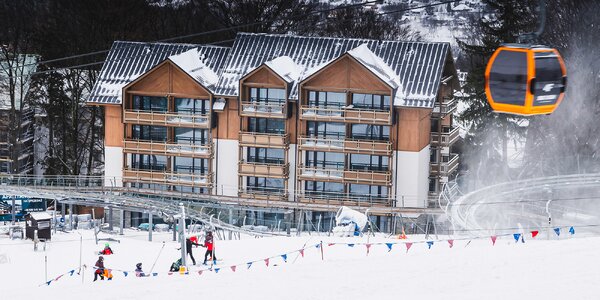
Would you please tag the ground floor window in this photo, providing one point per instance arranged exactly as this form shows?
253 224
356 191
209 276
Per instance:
148 162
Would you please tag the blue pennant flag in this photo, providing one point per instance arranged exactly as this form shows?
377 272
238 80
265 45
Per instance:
154 274
217 270
318 246
249 265
350 245
284 256
389 245
125 273
429 244
73 271
572 230
517 236
214 262
48 283
557 230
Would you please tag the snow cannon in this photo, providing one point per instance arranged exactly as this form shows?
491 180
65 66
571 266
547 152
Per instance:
349 222
525 80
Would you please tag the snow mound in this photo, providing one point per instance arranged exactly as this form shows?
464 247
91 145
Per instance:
192 63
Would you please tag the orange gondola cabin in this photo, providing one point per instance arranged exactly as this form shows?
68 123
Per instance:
525 80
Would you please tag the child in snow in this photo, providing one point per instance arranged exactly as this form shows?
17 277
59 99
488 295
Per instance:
175 266
99 269
138 270
106 250
209 244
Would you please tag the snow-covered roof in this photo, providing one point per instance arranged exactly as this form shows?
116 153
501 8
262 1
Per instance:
194 63
42 215
285 67
418 66
126 61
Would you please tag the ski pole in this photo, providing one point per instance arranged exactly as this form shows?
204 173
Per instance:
159 252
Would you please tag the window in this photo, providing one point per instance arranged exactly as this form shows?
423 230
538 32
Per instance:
191 136
265 125
328 160
433 157
190 165
370 101
432 184
192 106
148 162
149 133
267 95
189 189
150 103
265 155
368 162
326 99
326 129
318 188
262 184
370 132
371 192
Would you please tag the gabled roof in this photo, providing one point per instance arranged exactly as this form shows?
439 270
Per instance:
126 61
417 65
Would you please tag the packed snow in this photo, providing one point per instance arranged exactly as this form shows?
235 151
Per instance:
192 63
471 269
285 67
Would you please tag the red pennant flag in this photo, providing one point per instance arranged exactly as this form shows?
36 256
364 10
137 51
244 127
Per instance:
451 243
301 252
493 240
408 245
368 247
534 233
171 273
267 262
233 268
199 272
57 278
330 244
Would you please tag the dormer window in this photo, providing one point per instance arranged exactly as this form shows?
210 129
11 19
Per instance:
267 95
325 99
371 101
150 103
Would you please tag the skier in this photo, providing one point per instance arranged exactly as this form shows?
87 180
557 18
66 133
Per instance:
99 269
106 250
209 244
138 270
188 248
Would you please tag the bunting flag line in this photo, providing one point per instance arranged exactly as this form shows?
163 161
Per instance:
534 233
389 245
233 268
267 261
330 244
156 274
429 244
125 273
301 252
284 256
350 245
217 270
249 265
408 245
494 240
73 271
557 230
318 246
200 272
451 243
572 230
517 236
57 278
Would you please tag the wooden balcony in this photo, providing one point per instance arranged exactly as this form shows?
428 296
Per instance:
164 148
167 119
320 174
446 167
447 106
169 178
345 145
368 177
264 140
263 110
262 195
345 114
263 169
448 136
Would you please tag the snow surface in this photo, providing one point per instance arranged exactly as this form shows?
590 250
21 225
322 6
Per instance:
285 67
537 269
191 62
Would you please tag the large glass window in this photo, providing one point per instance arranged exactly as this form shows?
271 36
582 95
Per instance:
319 187
191 136
263 184
190 165
326 99
148 162
266 125
265 155
368 191
328 160
370 101
267 95
150 103
149 133
326 129
192 106
370 132
369 162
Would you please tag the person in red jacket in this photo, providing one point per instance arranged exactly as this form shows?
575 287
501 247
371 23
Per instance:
209 244
99 269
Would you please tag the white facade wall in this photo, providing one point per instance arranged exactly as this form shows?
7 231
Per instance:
411 178
225 167
292 172
113 166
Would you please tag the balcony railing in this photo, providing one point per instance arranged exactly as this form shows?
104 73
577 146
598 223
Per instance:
346 114
265 140
446 167
263 169
448 136
340 199
172 119
263 109
164 148
170 178
320 174
447 106
345 176
262 194
345 145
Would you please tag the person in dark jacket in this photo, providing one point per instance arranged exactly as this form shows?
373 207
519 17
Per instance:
138 270
188 248
99 269
210 246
